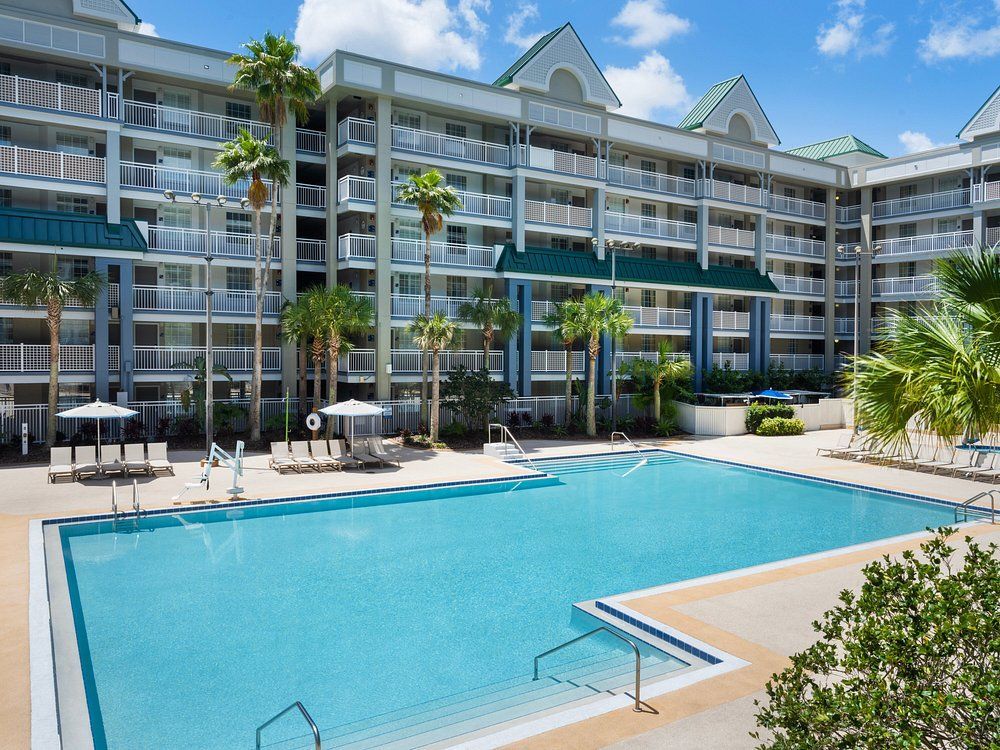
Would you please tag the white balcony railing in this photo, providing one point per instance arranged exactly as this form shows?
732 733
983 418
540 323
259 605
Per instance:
35 358
848 214
730 320
30 92
736 360
357 362
649 226
158 178
233 358
987 191
798 207
916 204
310 251
310 141
410 305
310 196
437 144
559 161
843 326
444 253
797 323
475 204
904 286
355 130
191 122
353 188
558 213
555 361
732 237
798 284
407 361
928 243
624 357
798 361
992 236
844 288
33 162
652 181
659 317
731 191
192 242
356 247
192 299
777 243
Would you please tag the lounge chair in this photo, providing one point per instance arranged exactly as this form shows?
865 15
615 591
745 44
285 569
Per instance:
320 451
158 461
843 443
359 449
60 463
85 462
338 450
280 459
983 463
111 460
300 455
135 459
924 455
377 448
962 458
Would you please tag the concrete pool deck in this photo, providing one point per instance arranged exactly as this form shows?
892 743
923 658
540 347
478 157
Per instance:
735 615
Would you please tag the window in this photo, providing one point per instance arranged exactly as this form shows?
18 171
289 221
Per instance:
239 335
238 110
905 191
949 183
72 78
175 215
239 279
408 229
70 143
178 274
409 283
457 286
178 158
690 216
5 137
237 222
177 99
178 334
72 204
6 331
6 198
789 192
688 173
559 292
947 225
6 263
74 332
647 252
908 230
648 298
457 235
73 268
908 269
560 196
4 68
789 269
789 230
788 307
616 204
455 130
616 159
647 165
457 181
648 210
559 243
408 120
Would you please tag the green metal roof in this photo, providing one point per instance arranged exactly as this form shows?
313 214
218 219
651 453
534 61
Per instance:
543 261
697 116
845 144
56 228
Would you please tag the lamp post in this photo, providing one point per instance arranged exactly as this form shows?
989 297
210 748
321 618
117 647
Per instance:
612 247
857 252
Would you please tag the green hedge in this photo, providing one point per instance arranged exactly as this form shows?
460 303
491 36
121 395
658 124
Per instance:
774 426
756 413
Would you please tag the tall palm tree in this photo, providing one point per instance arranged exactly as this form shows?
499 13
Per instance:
657 373
599 314
434 200
564 318
338 313
432 334
296 328
496 318
247 158
197 371
34 287
940 370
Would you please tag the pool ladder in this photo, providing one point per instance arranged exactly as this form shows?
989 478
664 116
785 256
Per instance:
317 743
506 434
967 507
642 456
117 512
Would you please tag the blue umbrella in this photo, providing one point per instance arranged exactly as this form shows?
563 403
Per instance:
775 395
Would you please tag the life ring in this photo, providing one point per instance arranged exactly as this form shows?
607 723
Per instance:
313 422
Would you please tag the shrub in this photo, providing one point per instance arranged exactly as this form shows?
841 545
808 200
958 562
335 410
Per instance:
548 421
756 413
454 429
775 426
666 427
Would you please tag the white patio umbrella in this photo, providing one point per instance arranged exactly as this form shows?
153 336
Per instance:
98 410
352 409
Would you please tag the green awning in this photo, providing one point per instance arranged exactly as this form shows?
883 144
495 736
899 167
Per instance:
60 229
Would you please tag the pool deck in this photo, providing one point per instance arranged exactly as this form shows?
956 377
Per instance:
736 615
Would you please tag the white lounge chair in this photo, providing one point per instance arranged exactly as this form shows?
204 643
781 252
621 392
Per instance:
135 459
376 447
300 455
320 451
280 459
111 460
158 461
983 464
338 449
85 462
962 458
60 463
843 443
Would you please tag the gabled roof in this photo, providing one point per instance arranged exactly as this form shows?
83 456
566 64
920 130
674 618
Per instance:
57 228
544 261
743 100
507 76
845 144
973 128
697 116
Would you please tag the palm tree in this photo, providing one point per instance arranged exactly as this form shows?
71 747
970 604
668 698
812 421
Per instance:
34 287
664 370
496 318
434 333
296 328
564 318
940 371
253 160
337 313
197 371
598 314
434 200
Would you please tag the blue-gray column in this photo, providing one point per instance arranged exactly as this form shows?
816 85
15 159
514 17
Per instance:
126 330
701 336
517 196
597 214
760 244
760 333
517 349
101 320
602 377
702 235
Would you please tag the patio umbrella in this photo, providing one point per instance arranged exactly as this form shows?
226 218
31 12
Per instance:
774 394
98 410
352 409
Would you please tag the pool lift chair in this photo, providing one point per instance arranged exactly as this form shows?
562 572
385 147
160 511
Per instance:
233 462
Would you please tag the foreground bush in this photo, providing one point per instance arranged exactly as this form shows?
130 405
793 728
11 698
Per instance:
775 426
757 413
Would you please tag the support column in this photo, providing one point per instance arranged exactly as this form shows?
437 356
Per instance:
524 339
830 287
702 236
512 345
597 213
760 244
112 175
701 336
101 319
126 331
331 189
864 311
517 212
760 333
289 278
978 227
602 377
383 247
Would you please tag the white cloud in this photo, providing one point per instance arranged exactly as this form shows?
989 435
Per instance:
914 141
962 37
516 21
427 33
651 86
146 28
648 23
848 31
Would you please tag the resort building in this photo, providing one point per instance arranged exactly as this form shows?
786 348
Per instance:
716 239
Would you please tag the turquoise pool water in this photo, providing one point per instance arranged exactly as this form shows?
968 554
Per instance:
409 608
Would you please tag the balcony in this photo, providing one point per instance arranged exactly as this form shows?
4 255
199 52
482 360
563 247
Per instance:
310 251
56 165
798 207
558 213
651 181
564 162
157 178
993 236
624 357
843 326
71 302
356 247
407 361
353 188
30 92
927 243
798 361
735 360
233 358
917 204
848 214
649 226
844 288
192 300
905 286
555 361
436 144
310 196
310 141
34 358
734 192
987 191
192 242
797 324
731 237
410 305
730 320
444 253
777 243
644 317
473 204
357 362
799 284
356 130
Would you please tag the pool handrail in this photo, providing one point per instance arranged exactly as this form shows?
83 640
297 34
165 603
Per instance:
966 506
506 433
317 743
635 649
642 456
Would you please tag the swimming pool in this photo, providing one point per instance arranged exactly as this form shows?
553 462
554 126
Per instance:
396 617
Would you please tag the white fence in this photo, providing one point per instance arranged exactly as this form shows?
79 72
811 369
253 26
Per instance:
649 226
731 420
437 144
558 213
356 246
731 191
357 130
916 204
233 358
654 181
777 243
444 253
192 242
798 207
30 92
477 204
729 236
555 361
188 299
33 162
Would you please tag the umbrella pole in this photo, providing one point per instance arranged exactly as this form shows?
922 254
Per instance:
352 437
98 442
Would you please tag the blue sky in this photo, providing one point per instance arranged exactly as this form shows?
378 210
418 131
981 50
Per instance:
899 75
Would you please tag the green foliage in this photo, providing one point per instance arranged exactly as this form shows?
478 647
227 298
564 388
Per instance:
454 430
756 413
727 380
495 317
475 395
724 380
434 199
909 663
775 426
225 416
254 160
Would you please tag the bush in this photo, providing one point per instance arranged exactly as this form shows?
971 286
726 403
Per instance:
775 426
454 430
756 413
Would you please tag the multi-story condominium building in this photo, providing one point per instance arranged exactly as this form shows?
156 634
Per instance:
724 245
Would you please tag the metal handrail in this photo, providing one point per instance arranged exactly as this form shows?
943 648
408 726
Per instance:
506 433
619 636
305 714
643 460
968 504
